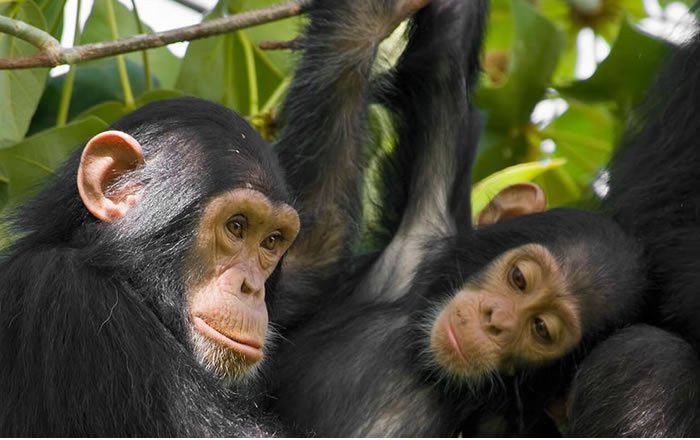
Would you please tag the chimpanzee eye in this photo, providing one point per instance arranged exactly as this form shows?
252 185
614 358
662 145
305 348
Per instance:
541 330
271 242
517 278
235 226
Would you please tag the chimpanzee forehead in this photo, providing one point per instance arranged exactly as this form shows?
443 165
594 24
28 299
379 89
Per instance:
230 153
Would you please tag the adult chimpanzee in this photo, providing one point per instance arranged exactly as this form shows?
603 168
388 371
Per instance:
653 194
163 253
411 341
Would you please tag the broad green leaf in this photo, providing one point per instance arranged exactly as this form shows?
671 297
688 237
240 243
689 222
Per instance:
584 135
53 13
155 95
498 149
110 111
604 21
536 49
164 65
216 69
20 90
94 83
29 162
486 189
625 75
499 32
4 191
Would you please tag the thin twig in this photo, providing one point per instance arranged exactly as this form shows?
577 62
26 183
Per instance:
28 33
52 54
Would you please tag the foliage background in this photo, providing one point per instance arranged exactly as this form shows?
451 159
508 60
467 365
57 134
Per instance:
529 56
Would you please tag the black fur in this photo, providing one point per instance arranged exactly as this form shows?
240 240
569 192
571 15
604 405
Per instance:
92 314
641 382
654 183
357 364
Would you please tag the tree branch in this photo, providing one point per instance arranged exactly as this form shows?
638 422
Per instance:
52 54
27 32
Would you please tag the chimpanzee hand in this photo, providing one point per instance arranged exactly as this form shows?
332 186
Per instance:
364 20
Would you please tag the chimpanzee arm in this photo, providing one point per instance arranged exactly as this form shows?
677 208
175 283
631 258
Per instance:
426 181
325 122
322 145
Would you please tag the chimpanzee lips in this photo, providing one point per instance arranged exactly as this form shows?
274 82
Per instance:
249 347
452 336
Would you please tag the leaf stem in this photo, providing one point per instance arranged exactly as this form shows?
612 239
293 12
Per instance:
144 53
67 92
252 74
123 75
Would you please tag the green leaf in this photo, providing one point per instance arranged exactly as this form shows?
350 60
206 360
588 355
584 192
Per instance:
110 111
155 95
498 150
499 32
53 13
4 190
29 162
20 90
537 45
584 135
164 65
216 69
484 191
625 75
94 83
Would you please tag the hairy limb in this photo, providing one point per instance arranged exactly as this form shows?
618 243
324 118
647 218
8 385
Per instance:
426 180
325 122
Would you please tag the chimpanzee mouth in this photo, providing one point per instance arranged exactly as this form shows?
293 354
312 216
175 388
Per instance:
452 336
248 347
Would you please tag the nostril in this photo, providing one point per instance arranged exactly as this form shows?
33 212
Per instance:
245 288
488 320
487 314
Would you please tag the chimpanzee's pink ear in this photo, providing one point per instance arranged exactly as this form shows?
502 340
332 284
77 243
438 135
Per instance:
106 157
512 201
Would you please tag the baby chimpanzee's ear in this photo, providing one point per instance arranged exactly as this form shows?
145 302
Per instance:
512 201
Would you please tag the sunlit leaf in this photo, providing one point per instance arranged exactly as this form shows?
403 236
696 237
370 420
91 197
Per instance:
584 135
20 90
536 48
164 65
110 111
94 83
4 190
499 32
625 74
215 68
53 13
487 188
29 162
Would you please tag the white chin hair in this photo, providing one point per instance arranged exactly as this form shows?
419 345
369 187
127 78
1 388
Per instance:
228 365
